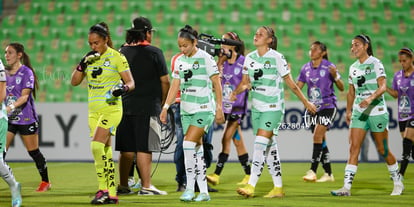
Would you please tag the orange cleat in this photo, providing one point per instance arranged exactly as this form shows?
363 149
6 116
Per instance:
44 186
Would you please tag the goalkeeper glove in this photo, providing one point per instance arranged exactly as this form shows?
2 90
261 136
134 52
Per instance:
89 58
119 89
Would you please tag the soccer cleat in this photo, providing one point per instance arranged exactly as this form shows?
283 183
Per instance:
152 190
245 180
180 188
276 192
202 197
213 179
123 190
16 195
137 185
111 200
326 178
101 197
341 192
131 181
188 195
246 191
44 186
310 176
398 189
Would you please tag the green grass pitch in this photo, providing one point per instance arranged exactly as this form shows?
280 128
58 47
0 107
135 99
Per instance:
74 184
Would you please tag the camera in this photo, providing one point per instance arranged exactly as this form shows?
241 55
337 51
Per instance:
208 43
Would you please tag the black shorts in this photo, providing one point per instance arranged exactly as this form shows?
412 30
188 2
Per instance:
234 117
324 117
405 124
134 134
28 129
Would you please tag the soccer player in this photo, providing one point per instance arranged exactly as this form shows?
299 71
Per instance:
230 64
104 69
195 74
264 71
22 85
403 88
320 75
135 136
5 170
366 110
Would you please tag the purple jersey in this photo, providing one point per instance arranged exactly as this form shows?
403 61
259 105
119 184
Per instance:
231 77
405 88
25 114
320 84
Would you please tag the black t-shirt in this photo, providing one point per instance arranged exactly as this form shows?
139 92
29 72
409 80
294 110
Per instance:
147 65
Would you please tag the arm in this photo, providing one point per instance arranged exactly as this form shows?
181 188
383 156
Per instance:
243 85
392 92
21 100
296 90
3 91
165 85
77 77
349 102
172 92
337 78
300 84
382 87
219 98
128 79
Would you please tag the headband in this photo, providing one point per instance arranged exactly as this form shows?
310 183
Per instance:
363 37
407 51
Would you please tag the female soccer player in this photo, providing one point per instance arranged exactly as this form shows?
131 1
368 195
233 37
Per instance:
22 85
104 69
264 71
403 89
5 171
320 75
195 73
366 110
230 64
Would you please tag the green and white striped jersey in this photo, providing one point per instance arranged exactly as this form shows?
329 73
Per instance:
266 77
195 83
363 76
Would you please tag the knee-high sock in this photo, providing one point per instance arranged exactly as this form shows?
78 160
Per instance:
244 161
316 156
111 172
273 163
190 163
393 169
325 160
350 171
7 174
407 145
98 151
201 170
259 155
222 159
41 165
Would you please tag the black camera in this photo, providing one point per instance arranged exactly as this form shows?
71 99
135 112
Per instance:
208 43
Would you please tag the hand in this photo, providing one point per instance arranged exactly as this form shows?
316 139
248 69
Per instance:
88 59
233 96
163 116
219 116
365 103
348 117
119 89
311 107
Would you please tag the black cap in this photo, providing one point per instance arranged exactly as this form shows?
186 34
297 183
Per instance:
141 24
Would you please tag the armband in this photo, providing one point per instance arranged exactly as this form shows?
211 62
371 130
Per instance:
337 78
166 106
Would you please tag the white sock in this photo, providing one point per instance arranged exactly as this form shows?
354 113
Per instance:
7 174
259 155
201 170
350 171
190 163
393 169
273 163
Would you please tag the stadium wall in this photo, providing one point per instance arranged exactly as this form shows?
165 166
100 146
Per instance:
64 135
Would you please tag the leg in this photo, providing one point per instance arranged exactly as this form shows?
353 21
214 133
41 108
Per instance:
10 138
407 147
228 134
144 160
178 153
275 169
125 162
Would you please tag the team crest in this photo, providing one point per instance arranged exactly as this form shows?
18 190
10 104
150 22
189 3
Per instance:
237 70
322 73
18 80
107 63
411 82
196 65
266 65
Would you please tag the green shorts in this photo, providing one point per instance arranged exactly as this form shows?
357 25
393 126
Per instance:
201 120
106 120
378 123
269 121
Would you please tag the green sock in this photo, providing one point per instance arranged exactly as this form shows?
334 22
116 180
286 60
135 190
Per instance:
111 172
100 158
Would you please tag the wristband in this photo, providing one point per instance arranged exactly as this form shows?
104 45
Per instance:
337 78
12 107
166 106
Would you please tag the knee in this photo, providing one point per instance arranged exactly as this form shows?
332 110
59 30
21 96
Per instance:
383 151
